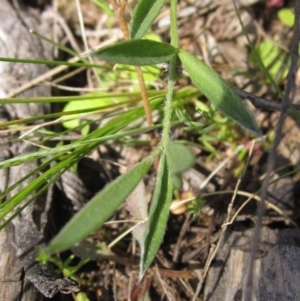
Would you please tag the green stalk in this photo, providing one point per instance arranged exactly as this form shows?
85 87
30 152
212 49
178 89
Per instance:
168 104
47 62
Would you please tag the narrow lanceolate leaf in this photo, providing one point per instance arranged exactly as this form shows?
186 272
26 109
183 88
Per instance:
179 159
218 92
137 52
99 209
144 14
158 216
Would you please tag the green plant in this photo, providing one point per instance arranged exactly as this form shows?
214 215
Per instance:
136 52
286 16
145 52
196 206
274 59
64 267
82 297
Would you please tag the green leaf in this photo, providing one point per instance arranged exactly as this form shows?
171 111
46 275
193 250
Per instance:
150 73
158 216
82 297
218 92
104 101
144 14
286 16
179 157
99 209
274 60
137 52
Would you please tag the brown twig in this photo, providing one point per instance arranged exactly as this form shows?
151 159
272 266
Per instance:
263 104
119 11
287 99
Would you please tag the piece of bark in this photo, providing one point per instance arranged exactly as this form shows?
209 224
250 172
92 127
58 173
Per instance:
280 274
11 280
16 41
276 267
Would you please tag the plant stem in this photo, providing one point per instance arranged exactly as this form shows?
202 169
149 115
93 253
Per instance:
123 25
168 104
